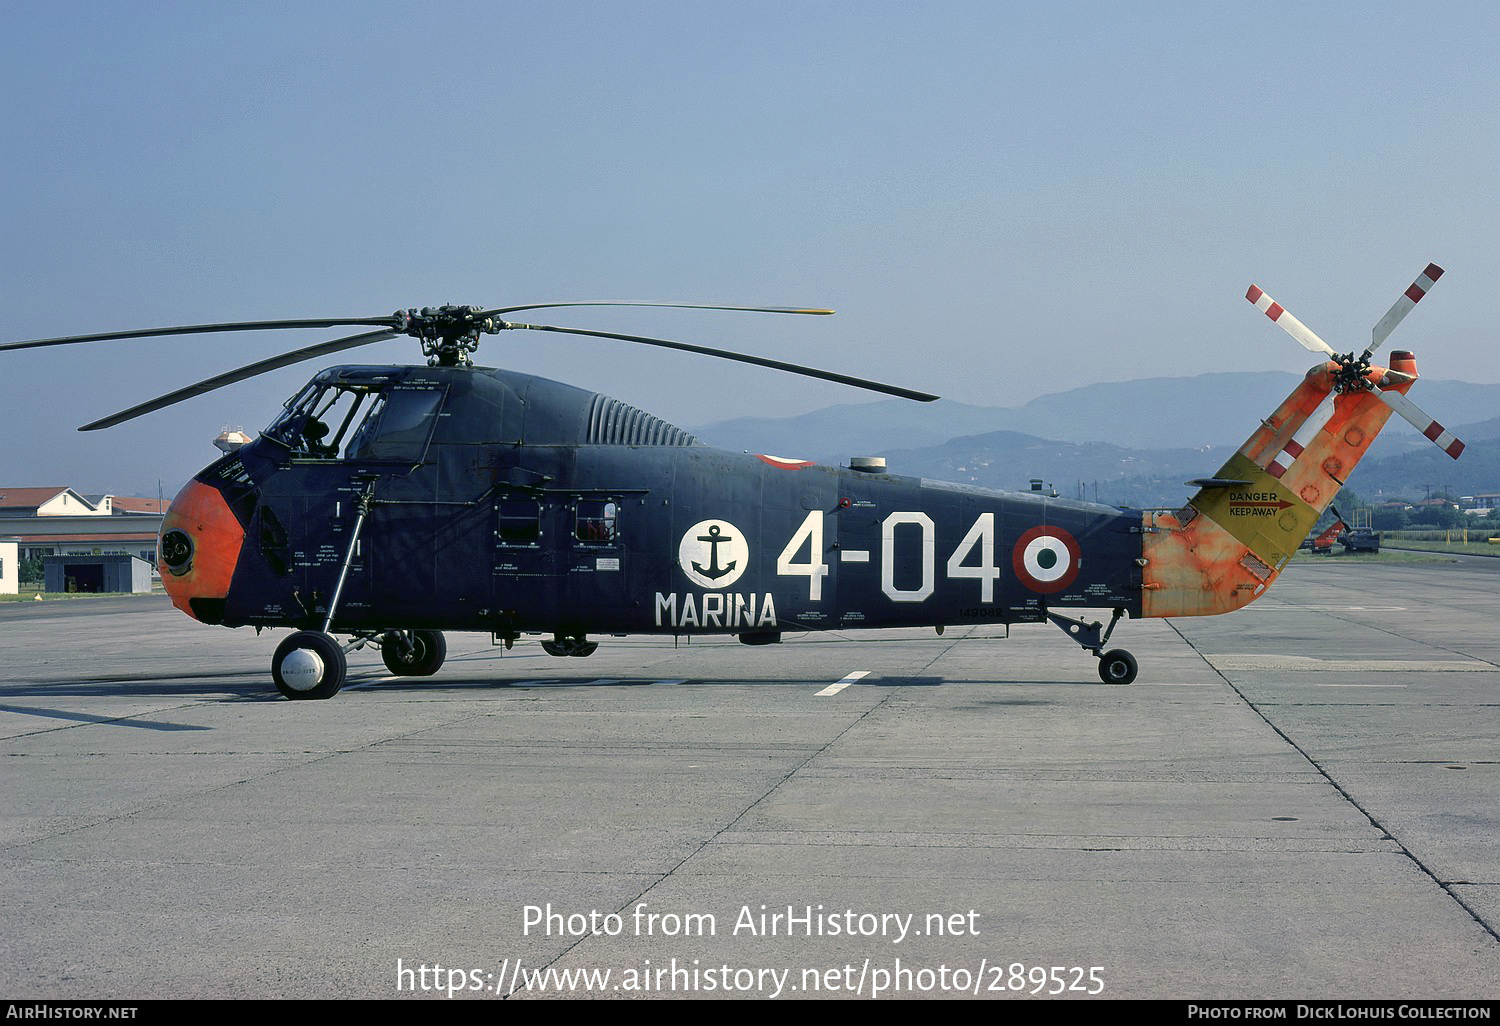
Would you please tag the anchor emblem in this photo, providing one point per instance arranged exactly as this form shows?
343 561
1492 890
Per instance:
714 571
713 554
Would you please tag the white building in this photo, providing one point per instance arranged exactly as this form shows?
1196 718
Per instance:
10 566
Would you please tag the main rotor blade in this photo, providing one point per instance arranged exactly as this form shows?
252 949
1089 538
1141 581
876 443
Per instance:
248 371
1293 327
194 329
386 321
1303 437
1410 298
758 361
1418 419
673 306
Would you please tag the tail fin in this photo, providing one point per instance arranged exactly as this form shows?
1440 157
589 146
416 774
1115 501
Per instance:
1232 539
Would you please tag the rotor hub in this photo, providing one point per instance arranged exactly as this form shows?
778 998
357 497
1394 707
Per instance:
449 334
1351 373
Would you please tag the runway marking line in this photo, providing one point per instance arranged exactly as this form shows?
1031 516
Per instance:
364 682
600 682
1359 685
834 689
1353 609
1264 661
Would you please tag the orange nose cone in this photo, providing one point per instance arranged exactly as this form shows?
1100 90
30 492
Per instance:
198 549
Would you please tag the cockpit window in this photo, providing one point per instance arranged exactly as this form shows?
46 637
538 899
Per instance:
379 422
406 419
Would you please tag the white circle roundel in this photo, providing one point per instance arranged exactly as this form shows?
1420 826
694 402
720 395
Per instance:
1046 559
713 554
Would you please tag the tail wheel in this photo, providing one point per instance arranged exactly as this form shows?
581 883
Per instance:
417 654
1117 667
309 665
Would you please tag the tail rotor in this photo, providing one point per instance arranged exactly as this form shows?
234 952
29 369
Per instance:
1353 373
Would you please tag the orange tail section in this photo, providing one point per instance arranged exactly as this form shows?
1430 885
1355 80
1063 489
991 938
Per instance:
1225 547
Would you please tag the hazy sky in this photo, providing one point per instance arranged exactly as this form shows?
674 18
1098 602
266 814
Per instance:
1001 199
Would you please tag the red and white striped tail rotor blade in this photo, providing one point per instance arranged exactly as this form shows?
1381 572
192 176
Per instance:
1299 441
1410 298
1440 435
1293 327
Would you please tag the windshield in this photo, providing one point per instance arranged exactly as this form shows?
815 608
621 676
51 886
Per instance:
383 422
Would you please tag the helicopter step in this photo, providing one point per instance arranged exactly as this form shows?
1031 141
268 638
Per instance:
577 646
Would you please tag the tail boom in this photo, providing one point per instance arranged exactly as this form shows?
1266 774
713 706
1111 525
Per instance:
1233 538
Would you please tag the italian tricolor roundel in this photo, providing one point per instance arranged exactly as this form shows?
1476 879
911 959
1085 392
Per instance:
1046 559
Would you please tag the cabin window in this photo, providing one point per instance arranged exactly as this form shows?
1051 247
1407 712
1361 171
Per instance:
520 522
597 521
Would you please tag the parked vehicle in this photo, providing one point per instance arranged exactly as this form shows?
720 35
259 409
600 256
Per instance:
1361 539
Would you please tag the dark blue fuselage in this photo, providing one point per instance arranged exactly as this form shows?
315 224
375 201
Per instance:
502 502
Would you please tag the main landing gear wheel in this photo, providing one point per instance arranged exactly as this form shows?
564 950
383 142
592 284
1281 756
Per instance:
1117 667
413 653
309 665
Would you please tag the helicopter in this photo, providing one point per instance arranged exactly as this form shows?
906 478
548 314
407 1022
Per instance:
389 504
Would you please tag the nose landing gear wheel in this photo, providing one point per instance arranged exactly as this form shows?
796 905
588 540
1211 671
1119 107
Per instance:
1117 667
418 654
309 665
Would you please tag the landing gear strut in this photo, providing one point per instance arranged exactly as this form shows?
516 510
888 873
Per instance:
310 664
1116 666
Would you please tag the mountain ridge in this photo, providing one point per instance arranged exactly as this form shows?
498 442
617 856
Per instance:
1133 443
1165 412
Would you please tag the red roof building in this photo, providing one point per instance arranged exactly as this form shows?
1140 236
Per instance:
55 520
